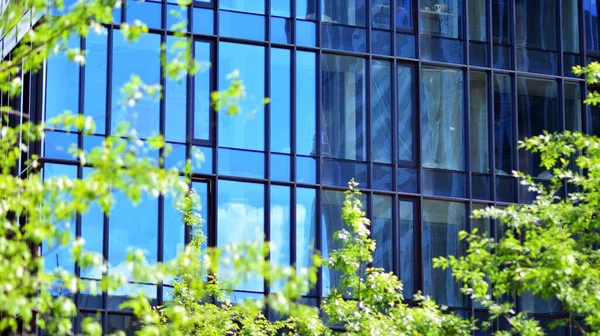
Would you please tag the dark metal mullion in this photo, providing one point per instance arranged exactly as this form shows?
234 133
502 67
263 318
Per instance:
267 143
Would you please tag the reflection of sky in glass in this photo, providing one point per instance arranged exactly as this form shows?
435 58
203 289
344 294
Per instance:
240 219
280 228
246 130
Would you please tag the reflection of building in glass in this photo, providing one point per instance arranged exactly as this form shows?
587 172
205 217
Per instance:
422 102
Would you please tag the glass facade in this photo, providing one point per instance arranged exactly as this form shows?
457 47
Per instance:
421 101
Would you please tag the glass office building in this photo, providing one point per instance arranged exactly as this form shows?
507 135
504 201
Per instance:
421 101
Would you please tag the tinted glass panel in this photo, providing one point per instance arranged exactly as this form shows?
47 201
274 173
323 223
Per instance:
381 232
538 112
501 19
175 100
380 14
478 123
280 8
343 38
331 222
132 226
345 12
280 228
442 114
202 109
573 107
531 16
407 246
251 6
504 138
92 230
592 25
63 81
240 219
306 226
343 108
142 59
246 131
570 26
441 223
381 111
95 80
306 82
478 20
241 25
280 100
405 113
442 19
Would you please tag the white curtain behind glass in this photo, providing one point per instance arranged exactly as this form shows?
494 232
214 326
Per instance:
442 119
477 20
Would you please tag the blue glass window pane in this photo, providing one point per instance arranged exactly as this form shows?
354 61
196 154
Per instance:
570 26
245 131
343 107
202 160
381 42
339 173
306 229
537 61
405 113
591 25
407 180
538 112
92 230
240 219
281 30
280 167
132 226
306 33
530 16
343 38
58 255
442 221
202 109
381 14
280 104
501 22
382 177
569 61
175 100
127 323
240 25
306 9
249 6
332 222
407 245
502 57
442 135
504 142
63 84
573 105
90 142
479 145
142 59
404 14
505 189
441 19
381 232
481 187
405 45
280 222
58 144
95 80
176 158
478 20
203 21
352 13
145 11
441 49
381 111
174 230
306 169
442 183
281 8
177 18
241 163
306 89
479 54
